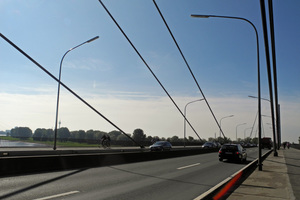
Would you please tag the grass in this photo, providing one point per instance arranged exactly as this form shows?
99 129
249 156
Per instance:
50 143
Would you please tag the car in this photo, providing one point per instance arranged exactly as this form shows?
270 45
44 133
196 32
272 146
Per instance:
233 152
209 145
161 146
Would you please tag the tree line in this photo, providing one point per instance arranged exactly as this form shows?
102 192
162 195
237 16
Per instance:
117 137
94 136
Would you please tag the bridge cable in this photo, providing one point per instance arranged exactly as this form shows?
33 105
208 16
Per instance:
147 66
66 87
188 67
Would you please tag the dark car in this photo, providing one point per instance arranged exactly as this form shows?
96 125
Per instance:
209 145
233 152
161 146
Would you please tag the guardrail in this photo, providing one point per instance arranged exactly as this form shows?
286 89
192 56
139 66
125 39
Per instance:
227 186
296 146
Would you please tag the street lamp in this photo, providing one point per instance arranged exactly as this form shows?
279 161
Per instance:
236 129
221 121
260 98
184 132
258 76
58 90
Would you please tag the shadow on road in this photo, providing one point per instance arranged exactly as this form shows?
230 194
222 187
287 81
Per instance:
39 184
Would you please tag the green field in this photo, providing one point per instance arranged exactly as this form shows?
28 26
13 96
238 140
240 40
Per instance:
50 143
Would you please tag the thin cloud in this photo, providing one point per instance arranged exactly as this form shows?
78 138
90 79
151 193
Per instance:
90 64
155 115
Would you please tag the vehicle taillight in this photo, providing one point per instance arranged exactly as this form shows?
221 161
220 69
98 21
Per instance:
237 153
220 151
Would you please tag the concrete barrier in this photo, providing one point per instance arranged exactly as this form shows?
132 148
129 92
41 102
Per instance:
16 165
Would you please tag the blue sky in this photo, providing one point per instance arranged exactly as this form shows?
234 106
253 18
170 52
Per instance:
109 75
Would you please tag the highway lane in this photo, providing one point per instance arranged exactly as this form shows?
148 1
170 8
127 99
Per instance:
176 178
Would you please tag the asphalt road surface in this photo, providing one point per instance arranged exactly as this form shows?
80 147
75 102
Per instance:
176 178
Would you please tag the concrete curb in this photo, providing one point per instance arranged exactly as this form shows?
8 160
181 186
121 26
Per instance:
227 186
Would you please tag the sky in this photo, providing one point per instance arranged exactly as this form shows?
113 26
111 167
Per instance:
109 75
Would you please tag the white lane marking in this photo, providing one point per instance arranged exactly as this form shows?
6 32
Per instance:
58 195
193 165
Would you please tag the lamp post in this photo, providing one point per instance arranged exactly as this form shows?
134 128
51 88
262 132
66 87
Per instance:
184 125
58 89
221 121
236 129
258 77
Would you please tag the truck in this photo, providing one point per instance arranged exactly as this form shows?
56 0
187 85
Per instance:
266 142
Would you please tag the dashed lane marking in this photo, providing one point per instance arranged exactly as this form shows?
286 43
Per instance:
193 165
58 195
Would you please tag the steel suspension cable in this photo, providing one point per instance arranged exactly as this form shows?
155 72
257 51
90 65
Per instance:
66 87
135 49
188 66
253 124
